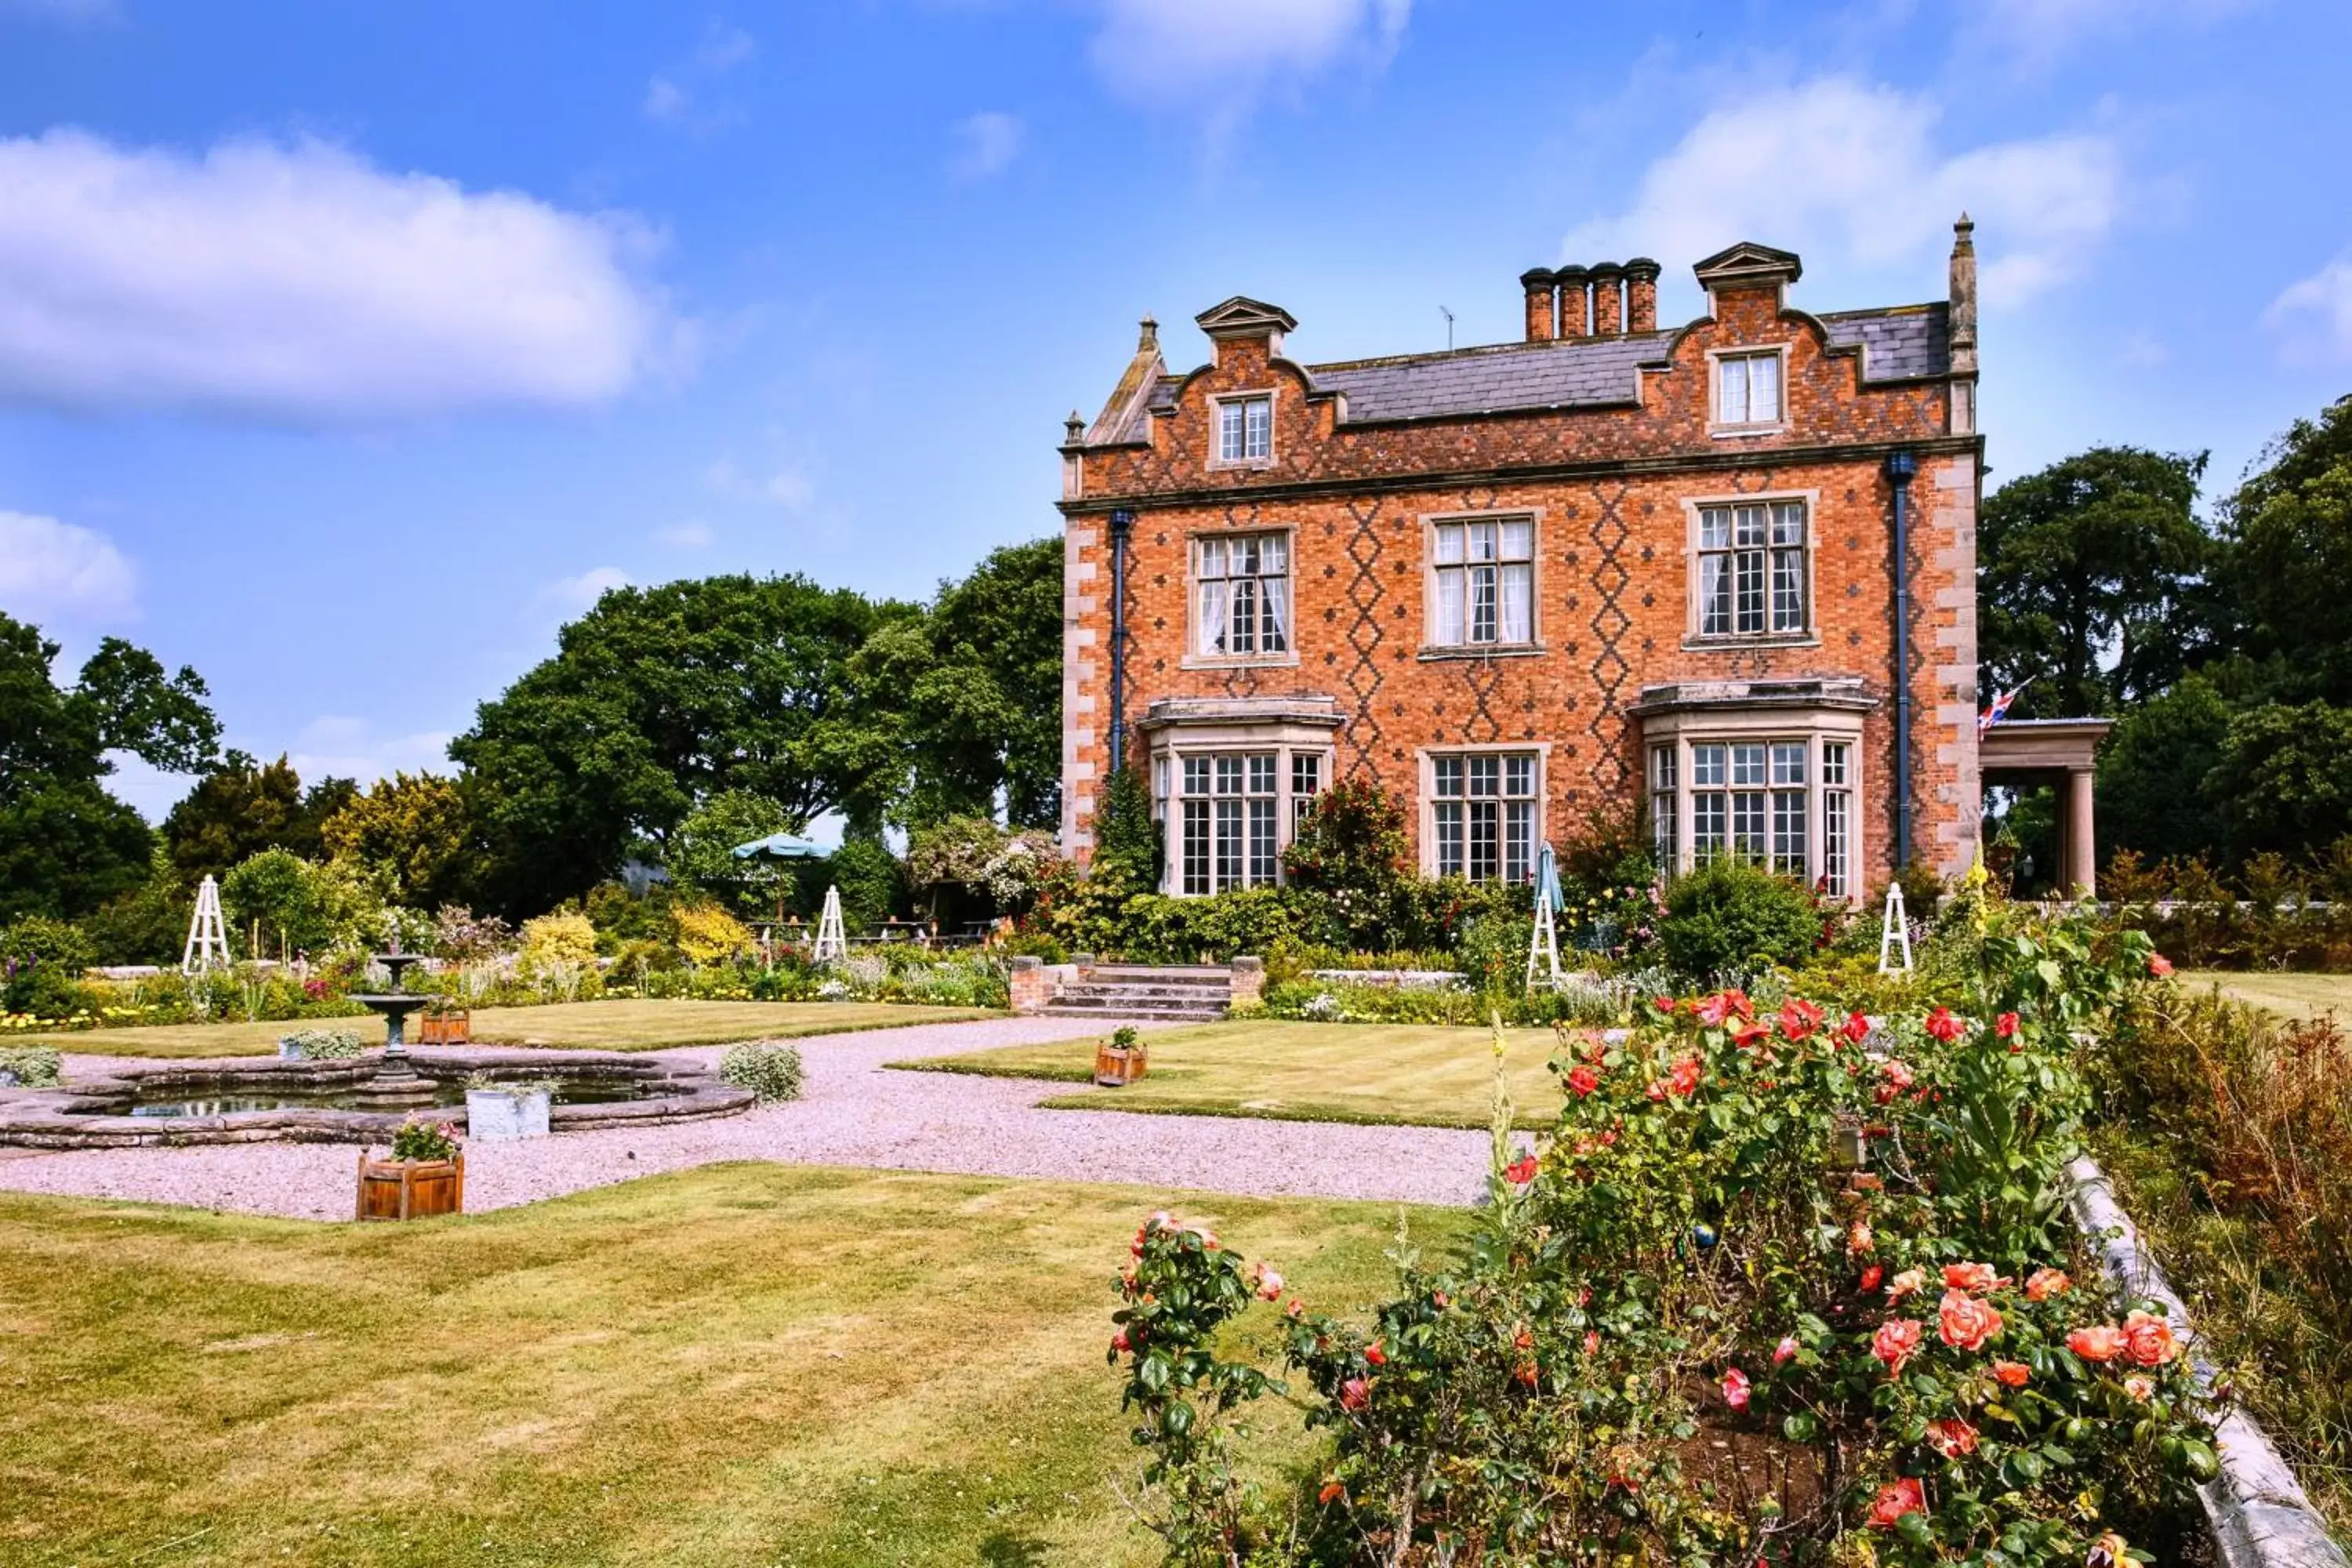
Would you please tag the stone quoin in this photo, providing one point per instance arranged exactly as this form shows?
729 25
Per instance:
1610 564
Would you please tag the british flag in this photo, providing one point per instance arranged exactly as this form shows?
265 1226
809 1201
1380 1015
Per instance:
1998 710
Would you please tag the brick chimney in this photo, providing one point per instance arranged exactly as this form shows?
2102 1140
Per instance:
1542 306
1641 295
1574 320
1608 299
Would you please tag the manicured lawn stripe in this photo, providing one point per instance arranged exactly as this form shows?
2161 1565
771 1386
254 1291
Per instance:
2294 995
626 1024
741 1364
1422 1074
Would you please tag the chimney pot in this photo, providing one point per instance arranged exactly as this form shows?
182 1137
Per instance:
1642 295
1608 299
1542 324
1575 318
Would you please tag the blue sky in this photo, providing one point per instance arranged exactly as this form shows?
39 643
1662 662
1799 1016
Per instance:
345 351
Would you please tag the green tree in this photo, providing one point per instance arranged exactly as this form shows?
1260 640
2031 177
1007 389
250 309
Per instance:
2089 579
2284 779
276 899
1127 846
244 806
989 719
656 698
2289 571
412 832
701 855
2153 794
66 845
872 883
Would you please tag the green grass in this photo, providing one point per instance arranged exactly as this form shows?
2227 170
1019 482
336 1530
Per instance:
2291 996
621 1026
1423 1074
742 1365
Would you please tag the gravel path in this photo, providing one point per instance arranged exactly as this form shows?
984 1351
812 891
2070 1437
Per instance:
853 1114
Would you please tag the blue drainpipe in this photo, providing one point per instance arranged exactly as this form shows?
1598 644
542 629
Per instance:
1900 468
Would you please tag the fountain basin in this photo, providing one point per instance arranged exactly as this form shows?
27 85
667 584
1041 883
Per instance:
326 1102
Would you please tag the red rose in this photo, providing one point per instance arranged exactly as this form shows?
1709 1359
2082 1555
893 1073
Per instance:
1871 1277
2045 1283
1332 1492
1896 1341
1662 1003
1735 1389
1521 1171
2159 965
1895 1499
1374 1355
1354 1393
1944 1026
1977 1277
1799 1018
2005 1026
1583 1080
1118 1344
1964 1323
1685 1078
1952 1438
1591 1341
1856 1027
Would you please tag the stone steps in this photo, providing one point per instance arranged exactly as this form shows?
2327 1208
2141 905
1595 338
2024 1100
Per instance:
1168 992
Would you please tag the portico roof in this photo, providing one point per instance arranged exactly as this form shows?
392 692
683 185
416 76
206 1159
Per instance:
2041 745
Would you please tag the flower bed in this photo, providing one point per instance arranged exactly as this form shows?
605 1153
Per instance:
1790 1288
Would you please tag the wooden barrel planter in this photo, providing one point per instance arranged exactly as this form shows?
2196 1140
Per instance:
411 1189
451 1028
1116 1066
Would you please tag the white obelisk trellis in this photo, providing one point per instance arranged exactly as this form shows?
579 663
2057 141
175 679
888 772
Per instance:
1544 945
207 947
830 940
1895 935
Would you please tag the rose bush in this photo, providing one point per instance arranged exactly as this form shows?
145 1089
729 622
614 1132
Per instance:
1688 1272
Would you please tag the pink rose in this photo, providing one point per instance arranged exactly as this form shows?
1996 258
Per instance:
1896 1341
1964 1323
1735 1389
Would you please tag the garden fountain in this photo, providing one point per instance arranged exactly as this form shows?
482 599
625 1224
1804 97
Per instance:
396 1081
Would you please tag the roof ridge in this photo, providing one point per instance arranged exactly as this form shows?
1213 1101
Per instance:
1479 350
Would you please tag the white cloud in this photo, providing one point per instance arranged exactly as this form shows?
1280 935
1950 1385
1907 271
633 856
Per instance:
791 489
1218 58
985 144
569 596
2038 31
673 97
685 536
664 99
54 572
1856 168
2314 315
339 746
300 284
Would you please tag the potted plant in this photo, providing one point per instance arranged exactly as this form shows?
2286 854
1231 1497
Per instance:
425 1174
497 1111
1120 1060
445 1022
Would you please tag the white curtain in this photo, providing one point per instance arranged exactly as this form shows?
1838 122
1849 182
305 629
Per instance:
1273 615
1518 596
1446 630
1213 618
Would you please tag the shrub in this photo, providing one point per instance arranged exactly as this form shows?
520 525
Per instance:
1127 846
707 933
566 937
1354 838
33 939
1731 916
869 879
769 1069
325 1044
33 1067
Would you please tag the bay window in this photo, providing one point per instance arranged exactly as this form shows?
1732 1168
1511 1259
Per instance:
1782 801
1228 815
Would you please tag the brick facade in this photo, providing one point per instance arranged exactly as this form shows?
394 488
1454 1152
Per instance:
1606 438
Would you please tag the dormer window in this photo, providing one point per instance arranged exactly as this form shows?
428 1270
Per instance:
1245 429
1748 390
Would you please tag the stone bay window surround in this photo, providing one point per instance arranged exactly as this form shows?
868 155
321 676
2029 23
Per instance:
1612 564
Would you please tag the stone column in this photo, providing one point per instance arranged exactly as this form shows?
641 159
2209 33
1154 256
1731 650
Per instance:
2082 836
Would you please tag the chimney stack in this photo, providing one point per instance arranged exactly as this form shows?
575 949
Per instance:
1961 326
1641 295
1574 320
1541 286
1608 299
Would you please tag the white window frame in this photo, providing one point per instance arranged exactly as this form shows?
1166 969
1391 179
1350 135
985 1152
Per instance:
1831 850
1696 551
1432 857
1197 654
1441 638
1719 420
1242 402
1172 797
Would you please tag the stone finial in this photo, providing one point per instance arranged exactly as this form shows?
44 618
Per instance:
1074 428
1963 321
1148 340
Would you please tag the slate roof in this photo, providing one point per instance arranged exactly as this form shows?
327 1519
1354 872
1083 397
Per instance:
1897 344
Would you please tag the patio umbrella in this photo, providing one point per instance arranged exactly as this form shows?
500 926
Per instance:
776 847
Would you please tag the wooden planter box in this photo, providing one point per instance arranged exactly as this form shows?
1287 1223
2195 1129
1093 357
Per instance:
445 1028
1117 1068
411 1189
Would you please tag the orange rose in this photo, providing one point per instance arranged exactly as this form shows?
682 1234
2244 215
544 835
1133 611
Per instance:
1952 1438
2148 1341
2140 1388
2103 1341
2046 1283
1896 1500
1896 1340
2011 1374
1908 1282
1977 1277
1965 1323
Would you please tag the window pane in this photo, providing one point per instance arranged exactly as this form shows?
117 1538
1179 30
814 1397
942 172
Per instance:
1750 571
1258 418
1262 853
1519 841
1788 762
1661 829
1833 762
1449 776
1715 595
1748 765
1518 604
1486 840
1274 615
1243 635
1482 541
1764 388
1306 773
1229 843
1212 558
1229 432
1788 831
1747 525
1519 540
1486 774
1446 627
1748 823
1482 604
1449 543
1734 401
1196 845
1519 776
1661 767
1196 775
1273 555
1787 590
1261 772
1229 775
1448 818
1788 522
1714 527
1834 808
1707 764
1707 826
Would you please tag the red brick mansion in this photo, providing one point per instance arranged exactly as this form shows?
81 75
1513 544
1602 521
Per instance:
1612 561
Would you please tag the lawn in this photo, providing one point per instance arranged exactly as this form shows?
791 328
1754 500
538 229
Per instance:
2295 995
741 1364
1424 1073
621 1026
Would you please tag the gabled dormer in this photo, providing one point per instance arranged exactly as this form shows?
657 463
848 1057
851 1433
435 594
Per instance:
1747 266
1242 320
